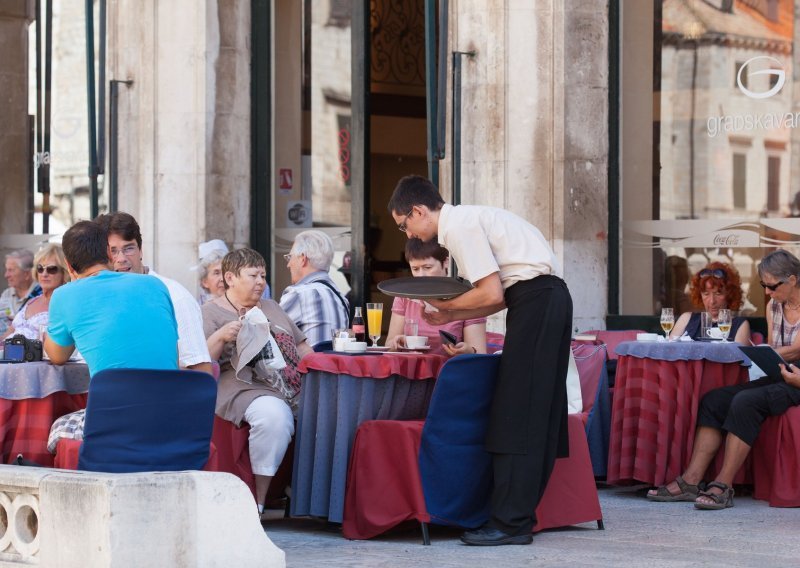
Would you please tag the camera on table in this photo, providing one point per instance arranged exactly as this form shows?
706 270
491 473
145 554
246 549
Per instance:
20 349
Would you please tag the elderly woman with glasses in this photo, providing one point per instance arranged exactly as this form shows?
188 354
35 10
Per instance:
716 287
735 413
50 271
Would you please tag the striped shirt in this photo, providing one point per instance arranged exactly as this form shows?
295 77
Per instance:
315 308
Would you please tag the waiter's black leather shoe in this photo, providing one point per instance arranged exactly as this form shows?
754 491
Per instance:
487 536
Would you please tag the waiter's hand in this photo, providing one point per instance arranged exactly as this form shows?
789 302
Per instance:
437 318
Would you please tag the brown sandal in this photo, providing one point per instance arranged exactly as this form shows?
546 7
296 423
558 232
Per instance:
720 500
663 495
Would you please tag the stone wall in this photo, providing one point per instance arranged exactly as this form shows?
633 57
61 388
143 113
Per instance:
15 15
535 128
184 144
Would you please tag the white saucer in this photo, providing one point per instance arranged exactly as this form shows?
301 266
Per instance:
377 348
426 348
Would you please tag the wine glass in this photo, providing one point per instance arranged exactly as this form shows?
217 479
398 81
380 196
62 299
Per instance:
724 323
667 321
374 321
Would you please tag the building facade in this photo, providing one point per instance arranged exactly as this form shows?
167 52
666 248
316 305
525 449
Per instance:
642 138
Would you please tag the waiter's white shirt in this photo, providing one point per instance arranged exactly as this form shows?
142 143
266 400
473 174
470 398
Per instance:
483 240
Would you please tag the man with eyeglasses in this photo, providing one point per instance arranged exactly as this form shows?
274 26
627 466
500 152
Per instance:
21 286
510 265
125 253
313 302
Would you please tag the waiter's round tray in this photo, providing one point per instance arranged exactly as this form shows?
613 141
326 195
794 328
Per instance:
442 287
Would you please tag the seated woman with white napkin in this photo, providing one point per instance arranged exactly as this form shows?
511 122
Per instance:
259 386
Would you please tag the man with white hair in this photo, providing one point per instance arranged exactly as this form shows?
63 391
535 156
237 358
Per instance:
21 286
313 302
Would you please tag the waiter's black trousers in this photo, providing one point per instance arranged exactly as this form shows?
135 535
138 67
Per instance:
528 426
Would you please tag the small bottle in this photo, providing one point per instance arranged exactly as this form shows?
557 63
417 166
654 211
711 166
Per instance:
359 328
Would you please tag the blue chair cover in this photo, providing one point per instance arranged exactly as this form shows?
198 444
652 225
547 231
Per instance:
598 427
455 469
148 420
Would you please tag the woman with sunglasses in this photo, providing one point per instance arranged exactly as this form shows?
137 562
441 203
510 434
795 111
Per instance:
734 414
50 270
716 287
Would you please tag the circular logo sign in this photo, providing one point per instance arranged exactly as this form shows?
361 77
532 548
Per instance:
781 74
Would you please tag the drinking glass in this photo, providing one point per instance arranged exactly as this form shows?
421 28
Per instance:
374 321
410 327
667 321
724 323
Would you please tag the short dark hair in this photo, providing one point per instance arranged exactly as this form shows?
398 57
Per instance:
417 249
122 224
85 244
241 258
414 190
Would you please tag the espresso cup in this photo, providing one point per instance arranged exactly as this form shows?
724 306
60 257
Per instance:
714 333
416 341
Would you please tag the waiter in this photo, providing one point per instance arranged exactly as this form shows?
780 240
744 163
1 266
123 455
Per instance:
510 266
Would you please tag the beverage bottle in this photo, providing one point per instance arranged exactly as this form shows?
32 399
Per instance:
359 328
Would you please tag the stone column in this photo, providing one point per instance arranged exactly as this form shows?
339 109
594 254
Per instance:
535 127
184 124
15 17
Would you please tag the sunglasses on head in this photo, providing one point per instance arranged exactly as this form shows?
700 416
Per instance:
772 287
50 269
716 273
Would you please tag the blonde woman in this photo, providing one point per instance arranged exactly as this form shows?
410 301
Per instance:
50 271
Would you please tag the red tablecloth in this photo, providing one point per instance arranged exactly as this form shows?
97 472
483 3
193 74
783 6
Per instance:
654 414
25 424
339 393
408 365
776 460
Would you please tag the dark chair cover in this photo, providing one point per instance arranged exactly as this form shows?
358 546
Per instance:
148 420
452 445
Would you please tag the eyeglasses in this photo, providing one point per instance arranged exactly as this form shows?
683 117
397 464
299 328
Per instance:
773 287
128 250
402 226
288 257
50 269
716 273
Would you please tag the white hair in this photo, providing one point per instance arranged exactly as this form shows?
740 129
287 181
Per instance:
23 257
317 248
211 258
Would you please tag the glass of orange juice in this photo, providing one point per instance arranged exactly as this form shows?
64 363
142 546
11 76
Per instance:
374 321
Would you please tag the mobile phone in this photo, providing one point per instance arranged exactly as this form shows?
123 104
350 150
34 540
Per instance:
447 337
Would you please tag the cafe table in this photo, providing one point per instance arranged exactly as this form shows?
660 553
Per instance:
32 396
339 392
657 393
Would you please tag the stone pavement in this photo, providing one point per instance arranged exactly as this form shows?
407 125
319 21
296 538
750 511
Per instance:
638 533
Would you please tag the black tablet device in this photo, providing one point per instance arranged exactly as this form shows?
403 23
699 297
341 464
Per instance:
765 357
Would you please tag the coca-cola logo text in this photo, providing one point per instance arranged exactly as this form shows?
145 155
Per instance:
726 240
